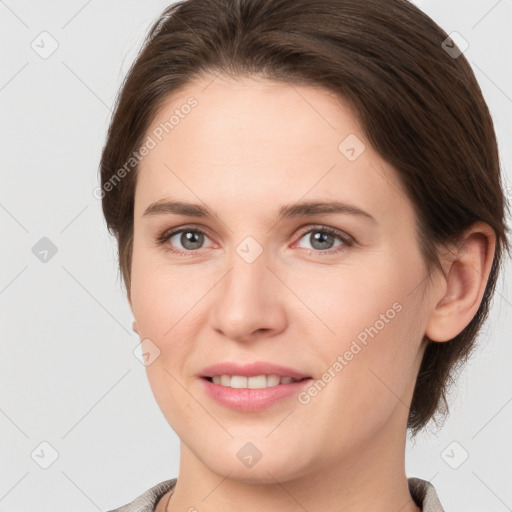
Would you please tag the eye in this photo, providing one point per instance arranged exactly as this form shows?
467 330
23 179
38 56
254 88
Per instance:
190 239
323 238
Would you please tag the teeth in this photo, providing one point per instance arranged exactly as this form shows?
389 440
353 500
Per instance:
256 382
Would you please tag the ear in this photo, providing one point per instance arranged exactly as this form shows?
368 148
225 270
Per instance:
463 284
135 327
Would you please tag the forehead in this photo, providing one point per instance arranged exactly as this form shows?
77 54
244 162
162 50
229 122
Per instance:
255 141
244 113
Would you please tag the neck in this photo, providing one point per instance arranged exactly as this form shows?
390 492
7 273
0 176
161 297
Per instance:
371 477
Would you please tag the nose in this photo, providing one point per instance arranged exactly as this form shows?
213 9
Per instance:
249 301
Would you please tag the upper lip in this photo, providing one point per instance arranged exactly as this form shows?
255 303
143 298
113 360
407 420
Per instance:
251 370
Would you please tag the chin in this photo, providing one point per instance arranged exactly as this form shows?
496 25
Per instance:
266 470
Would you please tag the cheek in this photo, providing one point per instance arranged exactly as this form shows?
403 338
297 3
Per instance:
159 294
367 378
163 299
342 302
365 327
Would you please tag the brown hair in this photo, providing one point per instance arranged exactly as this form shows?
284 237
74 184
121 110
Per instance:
419 104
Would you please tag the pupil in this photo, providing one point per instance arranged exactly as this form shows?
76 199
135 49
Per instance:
322 238
191 240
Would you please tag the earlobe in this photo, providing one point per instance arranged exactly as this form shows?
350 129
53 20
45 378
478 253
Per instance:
135 327
464 284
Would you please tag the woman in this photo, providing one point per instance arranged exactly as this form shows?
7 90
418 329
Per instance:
307 201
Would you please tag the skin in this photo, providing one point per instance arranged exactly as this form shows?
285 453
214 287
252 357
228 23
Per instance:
247 148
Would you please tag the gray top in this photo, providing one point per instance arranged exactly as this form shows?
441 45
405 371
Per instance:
422 491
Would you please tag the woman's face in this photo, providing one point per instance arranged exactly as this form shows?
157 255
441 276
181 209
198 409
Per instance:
335 296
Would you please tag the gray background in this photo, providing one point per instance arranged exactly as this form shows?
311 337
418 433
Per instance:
68 373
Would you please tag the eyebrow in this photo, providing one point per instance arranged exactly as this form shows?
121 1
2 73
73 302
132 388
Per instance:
301 209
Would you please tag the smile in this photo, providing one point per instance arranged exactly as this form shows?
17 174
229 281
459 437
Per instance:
255 382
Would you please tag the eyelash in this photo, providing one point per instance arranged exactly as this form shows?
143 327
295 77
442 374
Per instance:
348 241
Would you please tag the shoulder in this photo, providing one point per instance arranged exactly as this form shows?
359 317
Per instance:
425 495
147 501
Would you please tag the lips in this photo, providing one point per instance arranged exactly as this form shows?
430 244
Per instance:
252 398
251 370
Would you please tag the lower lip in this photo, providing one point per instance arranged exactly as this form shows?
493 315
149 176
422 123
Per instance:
250 400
